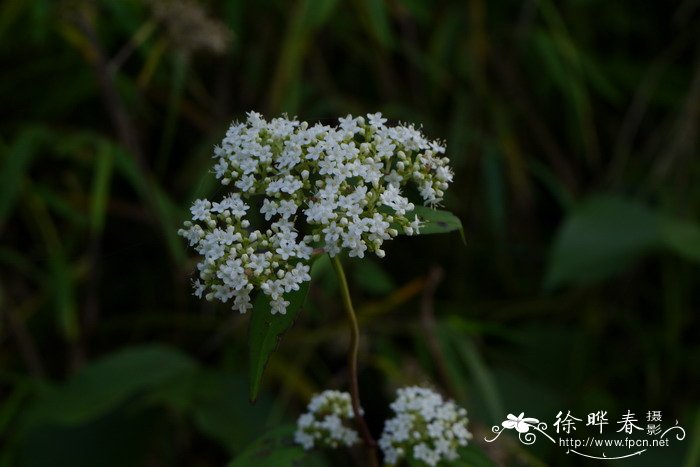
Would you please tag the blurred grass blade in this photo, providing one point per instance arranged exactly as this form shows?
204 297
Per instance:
693 457
177 86
16 160
378 19
156 199
306 18
100 187
494 190
61 278
477 368
11 407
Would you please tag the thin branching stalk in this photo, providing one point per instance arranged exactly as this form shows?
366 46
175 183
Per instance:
352 362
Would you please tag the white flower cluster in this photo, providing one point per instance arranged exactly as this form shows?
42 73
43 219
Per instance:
342 185
426 428
324 423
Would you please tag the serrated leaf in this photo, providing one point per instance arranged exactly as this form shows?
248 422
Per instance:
437 221
266 330
277 449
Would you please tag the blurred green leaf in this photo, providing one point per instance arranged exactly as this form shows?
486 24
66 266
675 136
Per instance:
600 237
266 330
682 238
277 449
371 278
606 234
219 404
16 160
107 382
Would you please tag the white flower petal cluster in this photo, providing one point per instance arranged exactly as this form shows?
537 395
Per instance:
344 186
324 425
426 428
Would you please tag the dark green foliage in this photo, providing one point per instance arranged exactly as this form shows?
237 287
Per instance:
573 131
277 448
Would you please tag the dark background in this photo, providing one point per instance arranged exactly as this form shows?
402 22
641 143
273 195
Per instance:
573 130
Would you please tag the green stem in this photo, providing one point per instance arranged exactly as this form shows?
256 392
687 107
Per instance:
352 362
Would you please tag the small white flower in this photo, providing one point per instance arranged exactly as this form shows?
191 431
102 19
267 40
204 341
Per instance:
245 183
376 120
200 210
279 305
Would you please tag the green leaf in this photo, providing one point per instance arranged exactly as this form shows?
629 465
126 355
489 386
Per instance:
371 278
266 330
682 238
601 237
277 449
220 396
437 221
103 385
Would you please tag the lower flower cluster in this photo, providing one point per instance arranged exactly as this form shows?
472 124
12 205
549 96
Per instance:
425 429
324 425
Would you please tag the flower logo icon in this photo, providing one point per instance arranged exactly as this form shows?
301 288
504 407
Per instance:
520 423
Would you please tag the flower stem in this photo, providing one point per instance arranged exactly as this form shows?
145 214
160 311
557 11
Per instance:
352 362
